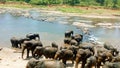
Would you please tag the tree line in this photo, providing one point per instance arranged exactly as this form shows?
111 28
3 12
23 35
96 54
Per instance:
102 3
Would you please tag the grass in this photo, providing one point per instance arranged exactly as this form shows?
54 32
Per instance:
63 8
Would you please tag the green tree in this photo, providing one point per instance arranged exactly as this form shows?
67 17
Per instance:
3 1
115 3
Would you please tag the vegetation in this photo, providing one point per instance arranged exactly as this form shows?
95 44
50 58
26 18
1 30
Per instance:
69 6
103 3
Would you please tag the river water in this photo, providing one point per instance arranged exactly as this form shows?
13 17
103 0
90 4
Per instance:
51 28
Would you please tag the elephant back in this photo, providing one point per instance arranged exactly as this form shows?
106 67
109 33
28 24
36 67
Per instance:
49 52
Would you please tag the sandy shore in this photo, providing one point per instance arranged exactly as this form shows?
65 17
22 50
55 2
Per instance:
11 58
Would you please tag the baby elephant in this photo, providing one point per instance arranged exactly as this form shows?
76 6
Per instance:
33 63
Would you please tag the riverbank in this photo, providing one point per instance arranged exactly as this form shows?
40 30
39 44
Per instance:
11 58
87 12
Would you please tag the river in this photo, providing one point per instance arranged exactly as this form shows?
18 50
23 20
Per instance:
51 27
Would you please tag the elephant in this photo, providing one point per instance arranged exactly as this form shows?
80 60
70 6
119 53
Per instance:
82 55
111 65
38 52
54 45
33 36
48 51
116 59
108 46
16 42
78 38
68 33
91 61
103 55
30 45
72 48
64 55
89 46
33 63
67 40
73 42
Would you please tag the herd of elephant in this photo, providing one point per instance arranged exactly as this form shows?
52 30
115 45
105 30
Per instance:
87 54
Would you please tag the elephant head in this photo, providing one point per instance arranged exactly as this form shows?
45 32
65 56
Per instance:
69 33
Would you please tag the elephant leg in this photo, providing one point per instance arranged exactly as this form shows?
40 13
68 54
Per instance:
16 45
72 60
23 48
64 61
20 45
83 64
77 61
98 64
28 53
13 44
32 53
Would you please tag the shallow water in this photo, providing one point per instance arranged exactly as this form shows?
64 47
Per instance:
50 31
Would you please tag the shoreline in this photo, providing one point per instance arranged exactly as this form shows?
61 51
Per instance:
87 15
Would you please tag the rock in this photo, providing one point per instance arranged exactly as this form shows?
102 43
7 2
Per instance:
103 24
78 24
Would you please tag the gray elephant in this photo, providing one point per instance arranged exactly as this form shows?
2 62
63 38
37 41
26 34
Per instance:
89 46
16 42
82 55
54 44
91 61
116 58
103 55
33 63
30 45
67 40
73 42
48 51
64 55
33 36
78 38
69 33
108 46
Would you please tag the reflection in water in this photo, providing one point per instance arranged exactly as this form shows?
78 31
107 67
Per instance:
20 26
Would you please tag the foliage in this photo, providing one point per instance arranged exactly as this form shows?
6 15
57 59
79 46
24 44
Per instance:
105 3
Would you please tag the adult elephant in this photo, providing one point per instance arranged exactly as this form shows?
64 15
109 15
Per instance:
33 63
16 42
67 40
103 55
110 47
48 51
69 33
30 45
64 54
82 55
33 36
78 38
